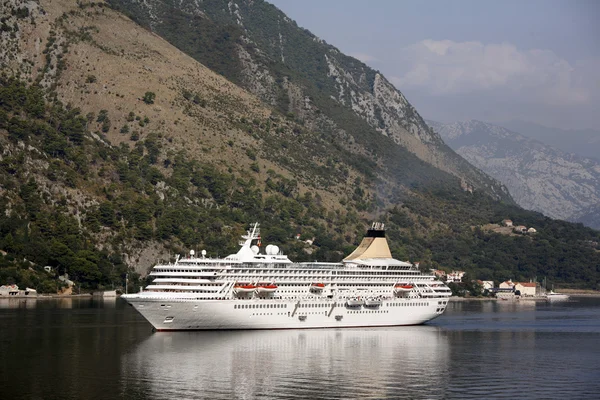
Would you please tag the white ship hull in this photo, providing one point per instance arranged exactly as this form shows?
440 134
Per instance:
167 315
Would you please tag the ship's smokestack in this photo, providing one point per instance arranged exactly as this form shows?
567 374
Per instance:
373 245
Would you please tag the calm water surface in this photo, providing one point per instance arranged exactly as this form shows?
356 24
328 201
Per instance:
89 349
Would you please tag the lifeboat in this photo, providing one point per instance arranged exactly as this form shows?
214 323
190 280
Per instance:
354 302
315 287
266 288
402 287
372 302
245 288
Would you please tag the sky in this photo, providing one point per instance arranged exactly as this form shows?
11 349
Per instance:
495 61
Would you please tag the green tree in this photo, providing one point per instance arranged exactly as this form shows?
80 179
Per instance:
149 97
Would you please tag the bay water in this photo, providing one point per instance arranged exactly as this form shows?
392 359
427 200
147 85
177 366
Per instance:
83 348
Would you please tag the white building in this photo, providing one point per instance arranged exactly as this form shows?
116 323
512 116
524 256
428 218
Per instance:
520 229
509 284
455 276
9 290
527 288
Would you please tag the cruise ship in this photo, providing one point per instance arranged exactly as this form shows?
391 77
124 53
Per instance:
266 290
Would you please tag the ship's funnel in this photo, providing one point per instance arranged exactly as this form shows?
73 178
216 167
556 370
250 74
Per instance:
373 245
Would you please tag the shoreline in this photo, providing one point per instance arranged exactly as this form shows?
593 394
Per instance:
57 296
571 293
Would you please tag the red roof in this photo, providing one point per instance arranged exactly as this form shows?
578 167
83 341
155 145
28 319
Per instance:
528 284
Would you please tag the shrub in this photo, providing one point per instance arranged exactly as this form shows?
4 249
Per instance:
149 97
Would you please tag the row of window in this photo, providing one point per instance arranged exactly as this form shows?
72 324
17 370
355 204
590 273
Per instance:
368 312
276 305
318 305
294 272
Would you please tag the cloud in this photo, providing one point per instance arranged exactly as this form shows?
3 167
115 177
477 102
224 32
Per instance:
447 68
366 58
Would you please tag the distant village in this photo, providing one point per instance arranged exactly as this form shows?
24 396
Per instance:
507 289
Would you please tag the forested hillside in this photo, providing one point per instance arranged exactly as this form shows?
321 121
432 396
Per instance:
117 150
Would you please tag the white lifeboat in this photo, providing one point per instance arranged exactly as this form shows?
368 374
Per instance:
403 287
372 302
245 288
270 288
354 302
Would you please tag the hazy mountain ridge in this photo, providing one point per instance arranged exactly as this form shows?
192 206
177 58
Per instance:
583 142
539 177
294 70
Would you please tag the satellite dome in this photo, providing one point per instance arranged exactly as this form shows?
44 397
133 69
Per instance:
192 252
268 249
203 253
274 250
254 249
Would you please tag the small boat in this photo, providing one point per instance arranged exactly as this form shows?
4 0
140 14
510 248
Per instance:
552 296
372 302
317 286
266 288
403 287
355 302
245 288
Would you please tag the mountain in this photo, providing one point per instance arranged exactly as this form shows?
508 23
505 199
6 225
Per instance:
261 49
583 142
117 149
558 184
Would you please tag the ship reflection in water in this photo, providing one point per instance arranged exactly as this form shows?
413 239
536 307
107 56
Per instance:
348 363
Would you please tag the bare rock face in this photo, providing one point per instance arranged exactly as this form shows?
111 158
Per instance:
540 178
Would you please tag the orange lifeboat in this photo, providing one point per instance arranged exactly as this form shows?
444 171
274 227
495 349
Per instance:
245 288
402 287
266 288
317 286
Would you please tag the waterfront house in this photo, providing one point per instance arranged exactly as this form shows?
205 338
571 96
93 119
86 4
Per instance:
9 290
509 284
528 288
